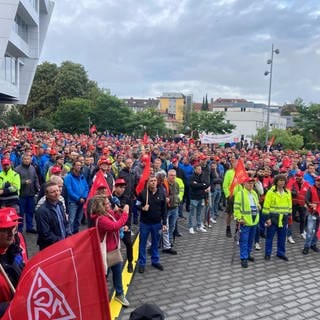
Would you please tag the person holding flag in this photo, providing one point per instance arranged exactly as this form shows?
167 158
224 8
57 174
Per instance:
231 185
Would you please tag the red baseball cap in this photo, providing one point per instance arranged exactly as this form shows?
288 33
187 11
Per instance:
105 161
249 179
120 182
5 161
56 170
8 217
299 174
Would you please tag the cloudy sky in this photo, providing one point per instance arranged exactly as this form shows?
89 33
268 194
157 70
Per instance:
142 48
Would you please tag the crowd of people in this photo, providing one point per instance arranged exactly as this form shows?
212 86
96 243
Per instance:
46 178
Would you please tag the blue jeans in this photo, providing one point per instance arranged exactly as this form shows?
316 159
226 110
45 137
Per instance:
281 243
311 236
172 219
195 209
75 216
215 200
247 234
117 278
27 207
145 230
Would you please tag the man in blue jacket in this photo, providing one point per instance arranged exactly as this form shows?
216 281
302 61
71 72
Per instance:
77 191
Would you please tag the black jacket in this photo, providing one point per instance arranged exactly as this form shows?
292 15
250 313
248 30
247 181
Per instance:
157 212
48 224
131 180
197 186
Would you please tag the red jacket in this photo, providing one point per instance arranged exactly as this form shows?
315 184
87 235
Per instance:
111 227
315 198
300 191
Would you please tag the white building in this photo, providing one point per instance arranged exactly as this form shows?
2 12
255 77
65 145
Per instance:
248 116
23 27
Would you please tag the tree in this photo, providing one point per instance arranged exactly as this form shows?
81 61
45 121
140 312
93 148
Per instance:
43 98
285 137
212 122
72 116
110 113
205 104
307 123
150 121
71 81
14 117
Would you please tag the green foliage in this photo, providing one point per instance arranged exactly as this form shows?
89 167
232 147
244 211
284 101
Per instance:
43 98
150 121
111 114
42 124
14 117
307 123
71 81
72 116
285 137
205 104
213 122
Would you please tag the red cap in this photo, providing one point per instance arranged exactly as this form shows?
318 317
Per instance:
318 178
8 217
105 150
249 179
5 151
5 161
203 157
53 152
120 182
56 170
299 174
105 161
174 160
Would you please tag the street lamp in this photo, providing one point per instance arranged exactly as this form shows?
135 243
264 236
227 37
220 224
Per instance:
269 61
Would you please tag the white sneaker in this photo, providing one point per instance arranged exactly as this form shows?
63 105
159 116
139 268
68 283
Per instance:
208 225
122 299
201 229
191 231
213 220
202 226
257 246
303 235
290 240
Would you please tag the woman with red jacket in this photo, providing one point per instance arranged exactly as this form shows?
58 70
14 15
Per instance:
109 223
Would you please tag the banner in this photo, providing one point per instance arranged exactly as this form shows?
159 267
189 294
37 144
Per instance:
222 138
64 281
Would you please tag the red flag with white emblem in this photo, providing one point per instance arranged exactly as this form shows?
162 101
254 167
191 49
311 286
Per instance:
64 281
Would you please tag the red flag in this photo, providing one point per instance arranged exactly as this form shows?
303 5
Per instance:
271 141
145 138
64 281
93 129
239 177
14 131
99 181
29 136
145 174
34 150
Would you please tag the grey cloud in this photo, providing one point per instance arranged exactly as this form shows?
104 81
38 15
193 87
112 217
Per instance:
138 48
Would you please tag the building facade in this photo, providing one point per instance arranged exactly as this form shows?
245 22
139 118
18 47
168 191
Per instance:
249 116
174 106
23 28
139 105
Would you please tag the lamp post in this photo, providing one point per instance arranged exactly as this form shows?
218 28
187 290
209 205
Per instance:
269 61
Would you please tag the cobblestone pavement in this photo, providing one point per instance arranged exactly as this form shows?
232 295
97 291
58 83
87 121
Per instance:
200 282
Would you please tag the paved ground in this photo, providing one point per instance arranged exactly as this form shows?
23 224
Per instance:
200 282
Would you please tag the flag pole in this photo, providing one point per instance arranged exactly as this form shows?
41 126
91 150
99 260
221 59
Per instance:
7 279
